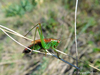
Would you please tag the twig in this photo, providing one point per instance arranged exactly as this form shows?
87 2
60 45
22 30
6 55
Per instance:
64 61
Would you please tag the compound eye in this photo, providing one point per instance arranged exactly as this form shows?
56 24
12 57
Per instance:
58 41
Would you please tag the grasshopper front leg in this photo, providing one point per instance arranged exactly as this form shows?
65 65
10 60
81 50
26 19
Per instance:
56 51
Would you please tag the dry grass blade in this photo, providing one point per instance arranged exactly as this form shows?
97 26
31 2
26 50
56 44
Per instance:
75 29
15 33
76 35
94 67
11 31
5 29
20 43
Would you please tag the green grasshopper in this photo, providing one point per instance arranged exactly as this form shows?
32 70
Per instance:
42 43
